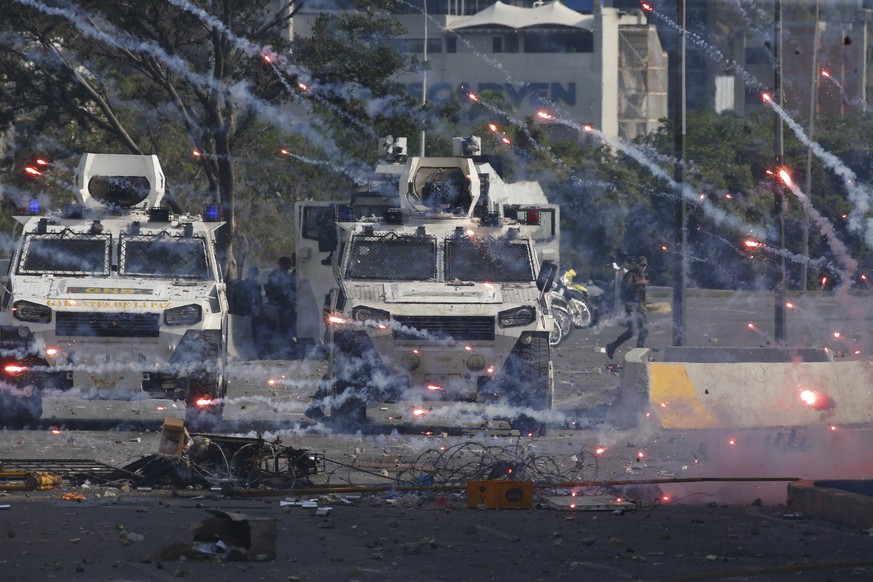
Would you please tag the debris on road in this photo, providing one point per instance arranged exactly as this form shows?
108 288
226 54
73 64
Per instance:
24 480
235 536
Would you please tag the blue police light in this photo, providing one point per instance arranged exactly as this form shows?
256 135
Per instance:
33 206
212 213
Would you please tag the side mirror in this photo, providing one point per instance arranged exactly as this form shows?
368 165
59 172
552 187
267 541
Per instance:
546 278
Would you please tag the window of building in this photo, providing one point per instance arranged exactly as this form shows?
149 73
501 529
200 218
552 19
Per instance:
544 41
497 44
758 56
451 44
416 45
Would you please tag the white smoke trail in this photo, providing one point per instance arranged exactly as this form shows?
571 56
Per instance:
850 265
858 195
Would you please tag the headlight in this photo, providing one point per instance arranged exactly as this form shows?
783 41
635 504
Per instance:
32 312
184 315
365 314
516 317
410 362
475 363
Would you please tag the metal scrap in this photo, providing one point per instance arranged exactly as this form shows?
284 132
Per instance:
24 480
228 463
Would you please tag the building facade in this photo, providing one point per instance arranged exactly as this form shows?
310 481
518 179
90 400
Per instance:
604 68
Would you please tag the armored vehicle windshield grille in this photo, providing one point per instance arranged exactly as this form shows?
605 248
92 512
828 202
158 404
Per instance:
65 253
69 323
392 257
425 327
487 259
163 256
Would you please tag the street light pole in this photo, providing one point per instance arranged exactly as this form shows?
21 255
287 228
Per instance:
813 99
778 197
424 75
680 230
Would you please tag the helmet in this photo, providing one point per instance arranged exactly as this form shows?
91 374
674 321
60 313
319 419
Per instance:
641 261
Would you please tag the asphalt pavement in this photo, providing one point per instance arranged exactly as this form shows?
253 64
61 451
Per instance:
693 506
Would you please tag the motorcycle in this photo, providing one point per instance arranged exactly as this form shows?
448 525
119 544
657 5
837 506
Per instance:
582 300
560 314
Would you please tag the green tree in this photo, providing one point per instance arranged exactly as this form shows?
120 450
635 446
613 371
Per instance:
212 88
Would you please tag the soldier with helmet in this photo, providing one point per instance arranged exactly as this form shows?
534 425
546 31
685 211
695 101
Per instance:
633 294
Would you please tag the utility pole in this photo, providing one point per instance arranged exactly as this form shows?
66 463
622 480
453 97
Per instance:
778 195
680 230
813 99
424 74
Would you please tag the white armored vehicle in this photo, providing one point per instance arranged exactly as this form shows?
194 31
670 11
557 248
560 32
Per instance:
115 297
433 290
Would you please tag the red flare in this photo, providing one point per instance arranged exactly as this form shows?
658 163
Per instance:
816 400
14 369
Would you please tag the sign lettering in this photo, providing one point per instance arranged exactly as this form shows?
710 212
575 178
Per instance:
110 290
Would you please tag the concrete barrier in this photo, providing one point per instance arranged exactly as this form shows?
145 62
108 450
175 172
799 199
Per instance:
728 391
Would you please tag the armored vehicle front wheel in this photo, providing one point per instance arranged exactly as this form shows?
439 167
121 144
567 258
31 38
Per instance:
19 407
204 402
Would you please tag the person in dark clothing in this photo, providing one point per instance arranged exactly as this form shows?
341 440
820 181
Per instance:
281 289
249 301
633 294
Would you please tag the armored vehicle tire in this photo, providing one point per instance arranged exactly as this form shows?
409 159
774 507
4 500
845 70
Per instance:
19 408
526 373
349 411
205 418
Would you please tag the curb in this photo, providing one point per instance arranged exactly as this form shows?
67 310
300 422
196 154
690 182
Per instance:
849 502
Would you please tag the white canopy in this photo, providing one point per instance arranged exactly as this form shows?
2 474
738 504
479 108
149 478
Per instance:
508 16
